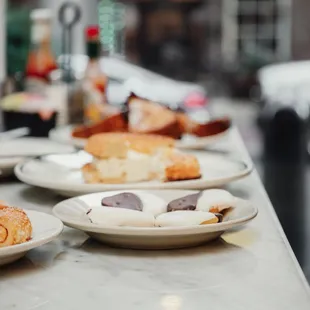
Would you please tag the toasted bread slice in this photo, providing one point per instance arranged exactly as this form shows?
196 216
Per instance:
149 117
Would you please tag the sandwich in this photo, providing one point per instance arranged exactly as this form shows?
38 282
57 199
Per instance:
130 157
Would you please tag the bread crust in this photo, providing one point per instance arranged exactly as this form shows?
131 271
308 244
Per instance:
107 145
182 167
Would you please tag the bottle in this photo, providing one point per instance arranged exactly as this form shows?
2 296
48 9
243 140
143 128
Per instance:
95 81
41 61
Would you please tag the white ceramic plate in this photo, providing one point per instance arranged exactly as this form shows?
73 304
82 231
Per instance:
14 151
73 213
45 229
63 135
62 174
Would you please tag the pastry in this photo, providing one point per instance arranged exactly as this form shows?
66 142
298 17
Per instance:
128 209
144 202
107 216
215 200
145 116
124 157
118 144
144 209
113 123
210 128
178 166
148 117
15 226
185 218
211 200
184 203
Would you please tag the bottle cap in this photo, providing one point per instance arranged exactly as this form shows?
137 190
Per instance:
92 31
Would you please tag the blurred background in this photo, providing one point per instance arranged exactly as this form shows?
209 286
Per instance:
248 58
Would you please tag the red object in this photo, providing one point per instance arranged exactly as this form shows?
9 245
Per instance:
92 31
40 64
195 100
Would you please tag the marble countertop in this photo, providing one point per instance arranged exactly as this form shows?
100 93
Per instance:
249 268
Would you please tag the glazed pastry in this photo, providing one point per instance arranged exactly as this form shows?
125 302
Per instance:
185 218
125 158
107 217
15 226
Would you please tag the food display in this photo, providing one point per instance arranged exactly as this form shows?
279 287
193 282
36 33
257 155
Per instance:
15 226
129 157
148 117
149 210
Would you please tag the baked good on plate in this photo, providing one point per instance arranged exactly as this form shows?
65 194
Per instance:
120 217
128 157
143 201
127 209
185 218
145 116
15 226
210 128
112 123
144 209
210 200
149 117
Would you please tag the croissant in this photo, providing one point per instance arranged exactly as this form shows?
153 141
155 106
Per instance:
15 226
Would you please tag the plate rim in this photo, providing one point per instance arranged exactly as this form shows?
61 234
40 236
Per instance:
153 231
35 242
84 188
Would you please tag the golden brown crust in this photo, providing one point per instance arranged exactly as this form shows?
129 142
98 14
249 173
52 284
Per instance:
117 144
182 167
15 226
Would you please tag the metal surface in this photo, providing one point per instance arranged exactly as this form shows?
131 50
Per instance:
251 268
69 15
